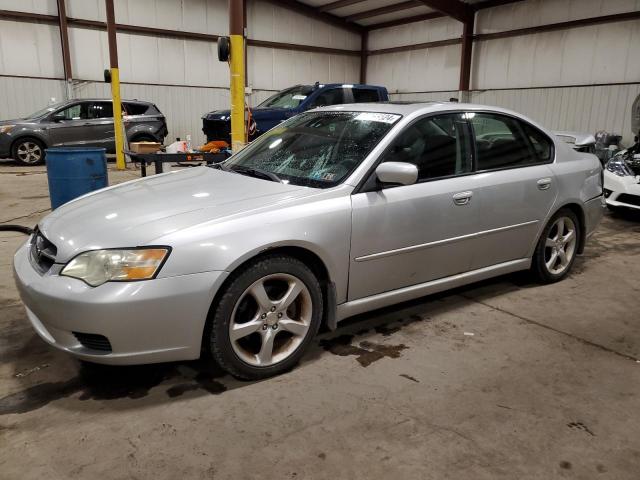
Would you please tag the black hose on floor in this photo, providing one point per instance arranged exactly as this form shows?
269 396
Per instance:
16 228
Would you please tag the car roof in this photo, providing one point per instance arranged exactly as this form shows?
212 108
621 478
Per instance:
409 108
74 100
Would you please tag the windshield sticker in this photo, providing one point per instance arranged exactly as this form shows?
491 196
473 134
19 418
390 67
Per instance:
299 97
377 117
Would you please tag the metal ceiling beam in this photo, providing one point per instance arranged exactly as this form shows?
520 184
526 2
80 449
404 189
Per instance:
396 7
316 14
338 4
461 11
493 3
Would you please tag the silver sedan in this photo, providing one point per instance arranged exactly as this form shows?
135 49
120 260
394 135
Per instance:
335 212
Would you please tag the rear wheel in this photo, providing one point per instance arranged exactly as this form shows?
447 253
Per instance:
557 248
28 151
266 318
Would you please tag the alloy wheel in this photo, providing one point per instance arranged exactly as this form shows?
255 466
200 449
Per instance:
29 152
270 319
560 245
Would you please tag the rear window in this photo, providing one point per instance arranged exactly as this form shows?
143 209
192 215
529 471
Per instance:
138 108
365 95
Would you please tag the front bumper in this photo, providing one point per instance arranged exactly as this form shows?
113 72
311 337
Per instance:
150 321
5 145
625 191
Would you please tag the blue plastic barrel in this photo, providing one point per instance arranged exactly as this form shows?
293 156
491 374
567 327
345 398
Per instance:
74 171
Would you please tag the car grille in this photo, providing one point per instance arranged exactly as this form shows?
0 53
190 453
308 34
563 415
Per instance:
94 341
629 199
43 252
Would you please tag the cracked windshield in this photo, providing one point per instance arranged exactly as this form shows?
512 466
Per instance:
315 149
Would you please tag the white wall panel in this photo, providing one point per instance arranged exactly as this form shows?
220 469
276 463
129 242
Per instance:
274 69
21 96
89 53
266 21
46 7
147 59
30 49
417 32
201 16
416 71
587 55
533 13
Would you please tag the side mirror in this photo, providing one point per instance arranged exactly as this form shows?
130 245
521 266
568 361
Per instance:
58 117
397 173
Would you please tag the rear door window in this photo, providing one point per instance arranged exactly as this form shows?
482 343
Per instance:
100 110
542 146
365 95
502 142
136 108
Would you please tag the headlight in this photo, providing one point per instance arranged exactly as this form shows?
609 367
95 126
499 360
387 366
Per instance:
619 167
99 266
6 128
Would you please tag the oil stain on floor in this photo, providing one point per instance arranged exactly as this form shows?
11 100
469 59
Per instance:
111 383
365 352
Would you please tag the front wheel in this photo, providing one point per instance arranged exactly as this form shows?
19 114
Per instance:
28 151
266 318
557 248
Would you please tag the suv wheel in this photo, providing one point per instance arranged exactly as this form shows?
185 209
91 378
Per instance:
28 151
557 247
266 318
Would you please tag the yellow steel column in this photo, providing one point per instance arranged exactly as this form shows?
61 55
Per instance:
115 85
237 93
236 34
117 117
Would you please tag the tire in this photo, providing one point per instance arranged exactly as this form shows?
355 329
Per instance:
286 319
555 254
28 151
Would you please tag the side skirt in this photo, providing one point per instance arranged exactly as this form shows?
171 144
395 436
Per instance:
385 299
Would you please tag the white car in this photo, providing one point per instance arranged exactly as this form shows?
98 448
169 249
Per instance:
622 179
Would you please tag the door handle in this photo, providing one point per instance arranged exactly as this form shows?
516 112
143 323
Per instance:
544 183
462 198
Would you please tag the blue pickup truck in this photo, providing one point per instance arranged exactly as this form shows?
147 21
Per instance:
287 103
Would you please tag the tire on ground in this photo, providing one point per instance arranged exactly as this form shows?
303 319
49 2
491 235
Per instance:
217 336
538 265
18 147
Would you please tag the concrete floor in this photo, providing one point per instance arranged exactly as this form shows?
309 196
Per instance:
502 379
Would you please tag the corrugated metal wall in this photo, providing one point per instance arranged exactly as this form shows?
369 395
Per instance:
183 77
507 72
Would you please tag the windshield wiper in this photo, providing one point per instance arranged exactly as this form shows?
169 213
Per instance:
219 166
256 172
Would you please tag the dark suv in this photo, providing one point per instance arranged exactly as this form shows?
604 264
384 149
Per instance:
287 103
86 122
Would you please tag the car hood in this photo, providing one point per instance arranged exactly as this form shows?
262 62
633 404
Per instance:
14 121
145 211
